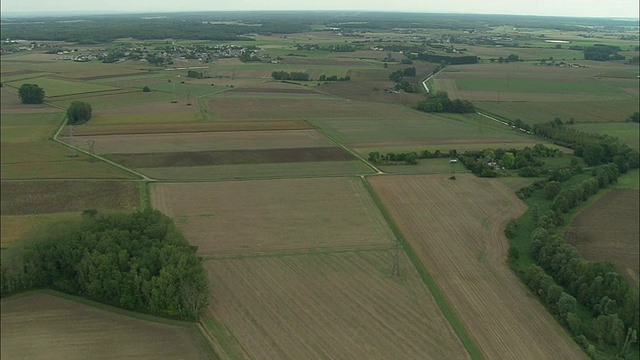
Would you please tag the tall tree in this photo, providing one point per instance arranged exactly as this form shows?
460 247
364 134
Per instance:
31 94
79 112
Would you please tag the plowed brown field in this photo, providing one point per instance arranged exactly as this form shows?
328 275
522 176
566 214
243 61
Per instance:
329 306
273 215
456 228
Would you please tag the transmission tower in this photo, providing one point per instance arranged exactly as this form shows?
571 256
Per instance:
90 143
72 150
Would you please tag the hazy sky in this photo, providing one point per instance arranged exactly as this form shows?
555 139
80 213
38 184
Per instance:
606 8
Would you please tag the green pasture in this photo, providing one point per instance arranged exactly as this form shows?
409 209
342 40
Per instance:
110 100
20 128
260 171
630 180
120 81
58 87
144 118
15 78
50 160
417 129
534 52
533 86
181 89
534 112
627 132
445 148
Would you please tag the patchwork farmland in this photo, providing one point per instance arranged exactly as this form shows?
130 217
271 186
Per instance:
311 251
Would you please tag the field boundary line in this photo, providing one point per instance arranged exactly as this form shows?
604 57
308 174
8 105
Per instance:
300 252
447 311
102 306
95 156
215 347
346 148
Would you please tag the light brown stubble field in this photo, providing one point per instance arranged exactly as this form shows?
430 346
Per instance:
261 216
456 229
43 326
329 306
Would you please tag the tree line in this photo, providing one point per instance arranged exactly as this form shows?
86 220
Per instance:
136 261
595 149
564 281
440 102
295 75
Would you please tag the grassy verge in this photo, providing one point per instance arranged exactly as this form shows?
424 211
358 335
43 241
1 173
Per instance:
144 200
223 337
453 319
526 225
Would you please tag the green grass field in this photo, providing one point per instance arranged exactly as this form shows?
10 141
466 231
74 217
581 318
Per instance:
19 128
533 86
533 112
627 132
57 87
418 129
260 171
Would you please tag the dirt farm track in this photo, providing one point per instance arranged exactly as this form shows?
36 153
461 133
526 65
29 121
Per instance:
456 229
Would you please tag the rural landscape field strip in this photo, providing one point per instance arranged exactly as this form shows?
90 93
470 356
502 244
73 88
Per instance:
40 326
43 197
202 141
273 215
608 230
461 244
263 171
340 306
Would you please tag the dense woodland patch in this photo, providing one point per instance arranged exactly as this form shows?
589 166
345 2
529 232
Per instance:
137 261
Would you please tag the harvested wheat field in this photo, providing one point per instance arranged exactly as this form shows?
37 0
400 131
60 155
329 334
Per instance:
261 216
43 326
608 230
456 228
328 306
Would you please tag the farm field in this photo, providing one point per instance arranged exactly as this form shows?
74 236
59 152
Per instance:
204 141
417 129
44 197
267 216
267 180
531 113
627 132
539 93
260 171
335 305
191 127
27 153
462 245
40 325
230 108
608 230
58 87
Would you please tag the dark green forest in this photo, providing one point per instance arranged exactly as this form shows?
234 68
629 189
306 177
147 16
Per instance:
137 261
88 29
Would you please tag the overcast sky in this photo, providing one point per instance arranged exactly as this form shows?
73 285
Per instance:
596 8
